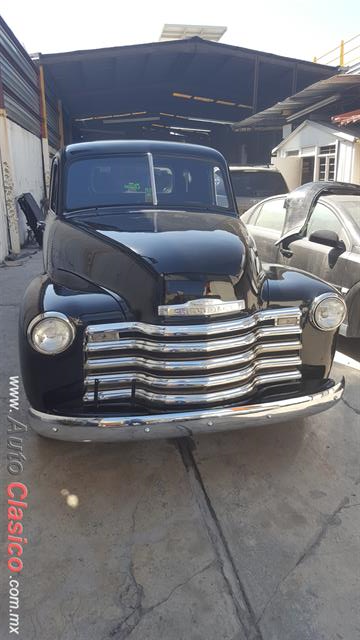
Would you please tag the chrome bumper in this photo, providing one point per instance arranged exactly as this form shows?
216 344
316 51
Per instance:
187 423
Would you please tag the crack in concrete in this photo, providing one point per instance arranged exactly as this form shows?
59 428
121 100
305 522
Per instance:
329 520
241 602
309 549
127 626
347 404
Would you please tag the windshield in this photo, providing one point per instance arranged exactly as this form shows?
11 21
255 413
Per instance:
258 184
171 181
352 208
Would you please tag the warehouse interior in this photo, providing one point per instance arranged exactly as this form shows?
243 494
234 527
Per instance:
190 90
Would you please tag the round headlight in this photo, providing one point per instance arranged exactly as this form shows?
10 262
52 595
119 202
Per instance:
51 333
328 312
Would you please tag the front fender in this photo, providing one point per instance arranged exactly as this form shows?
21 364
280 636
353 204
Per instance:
353 306
286 287
57 380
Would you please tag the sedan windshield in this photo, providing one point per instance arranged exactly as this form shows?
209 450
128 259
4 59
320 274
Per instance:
127 180
352 207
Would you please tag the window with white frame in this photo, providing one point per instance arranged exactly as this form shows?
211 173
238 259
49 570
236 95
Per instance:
326 162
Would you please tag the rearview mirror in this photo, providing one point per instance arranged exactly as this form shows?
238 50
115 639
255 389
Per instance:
328 238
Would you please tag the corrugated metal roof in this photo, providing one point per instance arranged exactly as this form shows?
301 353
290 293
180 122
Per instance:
347 118
311 97
19 78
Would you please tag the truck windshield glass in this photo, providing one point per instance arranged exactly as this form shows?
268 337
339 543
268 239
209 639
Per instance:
179 181
107 181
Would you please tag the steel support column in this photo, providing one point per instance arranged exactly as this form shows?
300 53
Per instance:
44 132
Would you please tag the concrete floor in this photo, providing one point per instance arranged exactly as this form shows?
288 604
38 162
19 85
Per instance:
247 535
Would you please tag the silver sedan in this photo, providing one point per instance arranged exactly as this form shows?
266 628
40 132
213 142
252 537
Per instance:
323 238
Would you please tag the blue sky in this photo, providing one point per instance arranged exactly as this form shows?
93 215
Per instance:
295 28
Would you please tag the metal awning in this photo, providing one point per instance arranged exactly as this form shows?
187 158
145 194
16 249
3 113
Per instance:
310 99
167 83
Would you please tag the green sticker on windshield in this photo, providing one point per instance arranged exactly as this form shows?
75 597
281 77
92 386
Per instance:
132 187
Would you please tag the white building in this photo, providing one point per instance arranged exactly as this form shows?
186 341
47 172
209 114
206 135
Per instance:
315 151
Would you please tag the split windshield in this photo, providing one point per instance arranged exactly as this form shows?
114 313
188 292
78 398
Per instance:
137 180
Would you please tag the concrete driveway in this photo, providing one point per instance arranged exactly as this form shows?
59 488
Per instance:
248 535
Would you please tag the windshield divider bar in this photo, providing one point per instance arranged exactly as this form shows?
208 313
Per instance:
152 179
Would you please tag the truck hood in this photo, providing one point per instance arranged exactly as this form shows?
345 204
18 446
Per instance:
175 241
150 258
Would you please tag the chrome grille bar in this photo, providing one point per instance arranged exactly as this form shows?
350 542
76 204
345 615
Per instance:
192 347
218 362
225 395
213 328
191 382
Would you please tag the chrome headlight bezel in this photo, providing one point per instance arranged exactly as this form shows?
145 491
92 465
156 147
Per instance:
54 315
317 302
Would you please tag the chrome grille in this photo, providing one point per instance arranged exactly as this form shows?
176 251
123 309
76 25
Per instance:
191 364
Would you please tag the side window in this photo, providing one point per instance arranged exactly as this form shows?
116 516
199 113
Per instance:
164 180
322 218
272 215
54 185
221 198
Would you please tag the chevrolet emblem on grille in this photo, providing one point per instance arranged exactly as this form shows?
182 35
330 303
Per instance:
202 307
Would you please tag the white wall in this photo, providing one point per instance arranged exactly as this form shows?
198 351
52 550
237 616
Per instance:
345 158
3 222
309 136
356 163
290 169
26 155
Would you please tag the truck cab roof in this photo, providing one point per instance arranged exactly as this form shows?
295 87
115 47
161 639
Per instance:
140 146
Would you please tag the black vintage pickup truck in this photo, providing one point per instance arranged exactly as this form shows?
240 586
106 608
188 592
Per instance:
154 316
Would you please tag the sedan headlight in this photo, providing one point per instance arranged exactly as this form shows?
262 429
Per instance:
51 333
327 312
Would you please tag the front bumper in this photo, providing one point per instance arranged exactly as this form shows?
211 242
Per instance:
187 423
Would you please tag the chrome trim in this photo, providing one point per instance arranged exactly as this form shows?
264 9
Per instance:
196 398
203 346
315 304
152 179
120 366
190 382
238 324
201 307
42 316
204 364
173 425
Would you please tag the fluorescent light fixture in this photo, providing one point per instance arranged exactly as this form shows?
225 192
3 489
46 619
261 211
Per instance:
202 99
193 119
115 115
181 95
191 129
121 120
313 107
226 102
